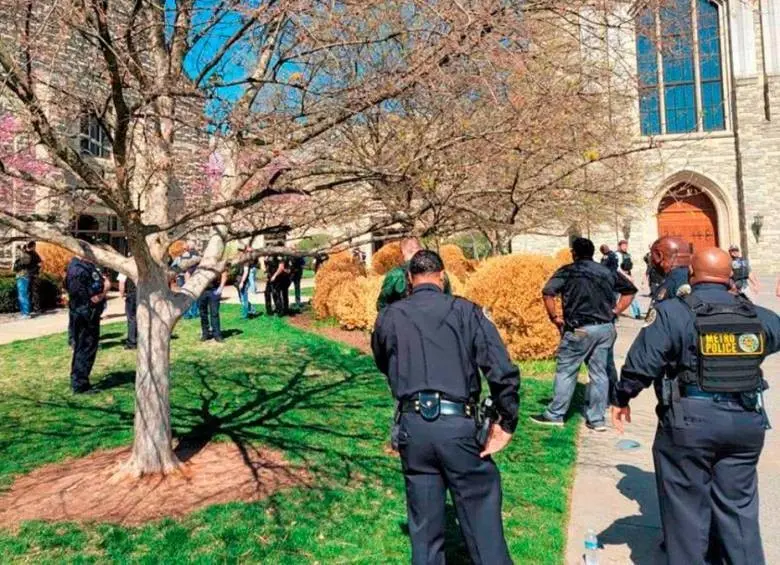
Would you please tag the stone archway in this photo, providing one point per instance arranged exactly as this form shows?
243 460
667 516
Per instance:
688 212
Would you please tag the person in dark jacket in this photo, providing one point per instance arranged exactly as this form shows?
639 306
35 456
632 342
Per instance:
297 264
87 290
702 352
589 294
34 270
609 258
671 256
432 348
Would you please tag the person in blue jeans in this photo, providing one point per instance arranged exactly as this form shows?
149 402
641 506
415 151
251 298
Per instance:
208 304
587 290
244 288
21 268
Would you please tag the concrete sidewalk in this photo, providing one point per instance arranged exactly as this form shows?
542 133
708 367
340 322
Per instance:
56 321
614 491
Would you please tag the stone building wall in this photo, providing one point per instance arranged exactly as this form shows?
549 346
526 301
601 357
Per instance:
64 65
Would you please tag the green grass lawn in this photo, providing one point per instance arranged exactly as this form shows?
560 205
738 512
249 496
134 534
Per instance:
319 402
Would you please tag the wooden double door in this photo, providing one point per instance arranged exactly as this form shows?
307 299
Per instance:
689 213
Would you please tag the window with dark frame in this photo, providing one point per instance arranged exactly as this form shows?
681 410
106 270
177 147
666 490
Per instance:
679 68
94 138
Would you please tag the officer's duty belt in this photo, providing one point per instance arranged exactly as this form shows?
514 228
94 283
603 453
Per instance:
447 408
692 391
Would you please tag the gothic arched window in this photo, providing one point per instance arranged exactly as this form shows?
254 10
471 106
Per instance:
680 68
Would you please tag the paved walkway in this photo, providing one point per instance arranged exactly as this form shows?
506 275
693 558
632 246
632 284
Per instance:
56 321
614 491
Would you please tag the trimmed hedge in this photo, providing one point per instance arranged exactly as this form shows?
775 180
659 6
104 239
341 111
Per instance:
387 258
510 289
455 261
49 292
55 258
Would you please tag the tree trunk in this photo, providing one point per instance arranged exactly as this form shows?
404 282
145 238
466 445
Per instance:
152 446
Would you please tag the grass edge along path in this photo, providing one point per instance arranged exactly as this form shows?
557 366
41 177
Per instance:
322 404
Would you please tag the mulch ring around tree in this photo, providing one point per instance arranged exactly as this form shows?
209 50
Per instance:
91 489
358 339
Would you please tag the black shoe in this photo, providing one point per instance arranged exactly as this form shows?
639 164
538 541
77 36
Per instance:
130 346
597 427
85 390
219 339
205 337
545 421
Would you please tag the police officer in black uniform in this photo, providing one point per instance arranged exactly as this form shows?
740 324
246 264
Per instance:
671 257
87 291
703 353
432 347
269 294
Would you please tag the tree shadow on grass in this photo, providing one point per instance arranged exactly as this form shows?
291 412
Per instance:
114 380
110 335
231 333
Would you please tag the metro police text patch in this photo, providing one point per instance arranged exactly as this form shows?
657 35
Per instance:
731 344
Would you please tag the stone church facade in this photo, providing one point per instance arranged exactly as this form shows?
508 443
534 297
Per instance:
711 107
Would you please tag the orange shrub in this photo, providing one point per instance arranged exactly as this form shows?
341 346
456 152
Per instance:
354 304
455 261
55 258
457 286
325 285
387 258
563 256
177 248
510 288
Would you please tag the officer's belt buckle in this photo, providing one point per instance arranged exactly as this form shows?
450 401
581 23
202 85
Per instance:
428 404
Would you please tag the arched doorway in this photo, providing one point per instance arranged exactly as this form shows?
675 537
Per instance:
687 212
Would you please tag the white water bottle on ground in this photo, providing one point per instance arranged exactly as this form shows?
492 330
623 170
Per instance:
591 548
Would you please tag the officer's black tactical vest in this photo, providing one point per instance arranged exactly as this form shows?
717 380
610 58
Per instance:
740 269
730 346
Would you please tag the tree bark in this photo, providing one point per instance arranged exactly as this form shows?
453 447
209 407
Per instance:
152 446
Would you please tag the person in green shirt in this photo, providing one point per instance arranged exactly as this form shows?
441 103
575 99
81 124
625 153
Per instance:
396 284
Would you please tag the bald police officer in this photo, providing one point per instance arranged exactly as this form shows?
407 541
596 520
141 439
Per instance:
703 354
671 257
432 348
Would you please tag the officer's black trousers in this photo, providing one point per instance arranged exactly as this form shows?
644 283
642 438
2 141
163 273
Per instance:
443 455
86 335
131 307
707 483
268 297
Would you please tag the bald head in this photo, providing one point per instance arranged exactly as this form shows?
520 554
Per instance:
670 252
409 247
710 265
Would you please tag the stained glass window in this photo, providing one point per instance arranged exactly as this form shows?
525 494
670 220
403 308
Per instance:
672 90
